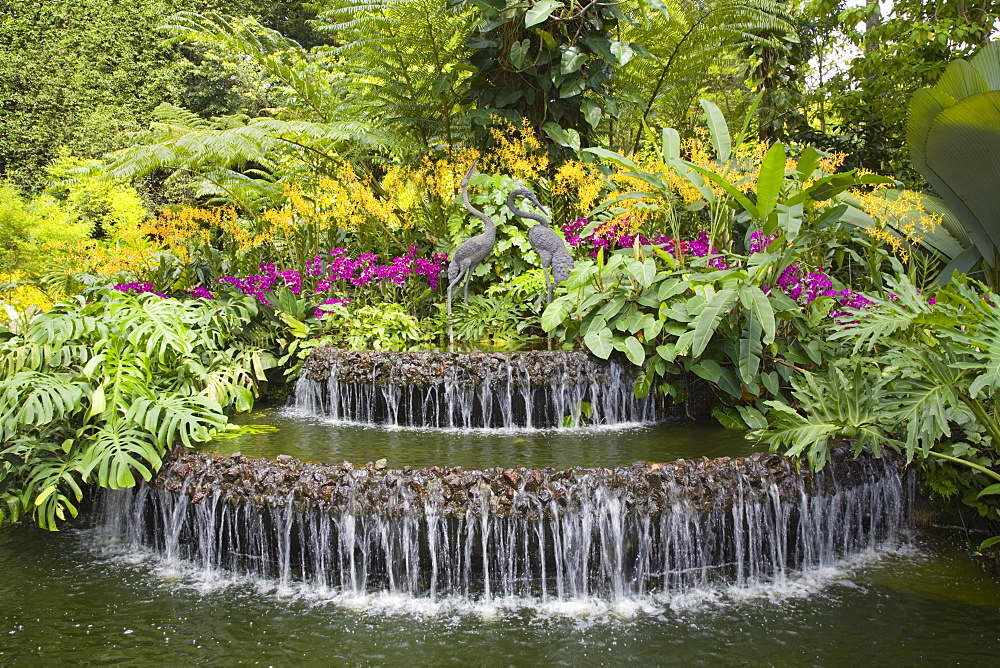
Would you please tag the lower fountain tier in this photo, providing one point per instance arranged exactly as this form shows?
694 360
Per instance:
612 533
535 389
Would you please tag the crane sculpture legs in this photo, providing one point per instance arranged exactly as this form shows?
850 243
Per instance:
546 266
466 273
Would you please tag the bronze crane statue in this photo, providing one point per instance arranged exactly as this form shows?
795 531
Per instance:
550 247
467 256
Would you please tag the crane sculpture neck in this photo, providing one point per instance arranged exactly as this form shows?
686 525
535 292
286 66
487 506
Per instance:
527 194
491 230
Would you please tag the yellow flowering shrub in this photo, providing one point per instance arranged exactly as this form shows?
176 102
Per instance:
516 152
20 296
182 232
899 219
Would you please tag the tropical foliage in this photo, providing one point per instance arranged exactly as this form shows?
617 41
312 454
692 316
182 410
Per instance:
262 177
923 377
97 389
953 132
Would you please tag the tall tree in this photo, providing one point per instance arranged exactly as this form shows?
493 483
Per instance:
897 52
697 49
84 73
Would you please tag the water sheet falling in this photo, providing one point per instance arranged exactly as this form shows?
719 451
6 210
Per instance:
543 534
534 389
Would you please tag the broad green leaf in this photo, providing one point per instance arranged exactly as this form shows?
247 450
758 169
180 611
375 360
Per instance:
671 145
757 303
708 369
709 318
600 343
770 180
555 313
644 382
989 542
573 59
519 53
591 113
770 381
561 136
617 158
643 272
633 350
752 417
623 52
670 288
719 131
807 164
298 328
572 86
790 220
750 349
992 489
540 12
40 499
98 402
728 421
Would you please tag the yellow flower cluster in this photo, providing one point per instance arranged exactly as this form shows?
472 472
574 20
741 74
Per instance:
176 232
900 221
22 296
516 152
831 163
579 182
441 178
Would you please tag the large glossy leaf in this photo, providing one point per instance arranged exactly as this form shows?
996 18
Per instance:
709 318
600 342
953 132
963 154
633 350
613 157
756 302
750 350
718 129
770 180
540 12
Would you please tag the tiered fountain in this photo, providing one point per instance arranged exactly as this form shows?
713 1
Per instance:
476 390
614 533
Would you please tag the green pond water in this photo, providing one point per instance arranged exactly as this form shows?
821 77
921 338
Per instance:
63 601
314 439
70 598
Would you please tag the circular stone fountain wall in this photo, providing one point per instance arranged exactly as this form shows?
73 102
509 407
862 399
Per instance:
609 532
533 389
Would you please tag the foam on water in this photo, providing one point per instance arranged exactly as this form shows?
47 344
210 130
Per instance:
507 397
298 411
586 610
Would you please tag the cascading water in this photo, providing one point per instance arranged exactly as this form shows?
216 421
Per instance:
614 533
471 390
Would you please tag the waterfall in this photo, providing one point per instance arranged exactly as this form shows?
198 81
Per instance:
614 534
471 390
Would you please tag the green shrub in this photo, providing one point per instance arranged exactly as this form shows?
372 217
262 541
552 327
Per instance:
31 230
100 387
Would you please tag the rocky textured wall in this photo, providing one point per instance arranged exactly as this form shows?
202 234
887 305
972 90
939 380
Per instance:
644 489
426 368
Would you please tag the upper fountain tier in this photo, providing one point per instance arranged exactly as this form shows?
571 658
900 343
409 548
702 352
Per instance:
512 390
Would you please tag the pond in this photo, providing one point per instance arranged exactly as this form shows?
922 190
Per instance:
275 431
64 599
77 597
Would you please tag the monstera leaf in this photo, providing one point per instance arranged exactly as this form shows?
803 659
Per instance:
953 131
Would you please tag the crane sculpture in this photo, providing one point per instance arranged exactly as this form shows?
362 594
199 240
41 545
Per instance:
550 247
475 249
